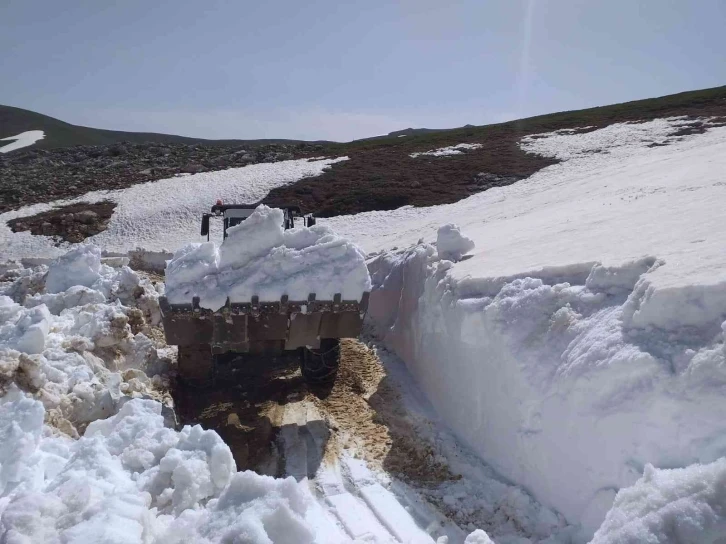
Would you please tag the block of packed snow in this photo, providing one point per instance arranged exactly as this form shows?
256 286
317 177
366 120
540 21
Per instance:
21 422
33 330
674 307
77 295
260 258
80 266
262 508
615 280
23 329
451 244
665 506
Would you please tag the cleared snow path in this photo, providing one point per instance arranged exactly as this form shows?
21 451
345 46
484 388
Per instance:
24 139
358 500
164 214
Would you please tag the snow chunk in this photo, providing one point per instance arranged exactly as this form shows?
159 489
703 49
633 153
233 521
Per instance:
668 506
262 508
23 329
76 295
21 420
478 537
24 139
451 244
674 307
253 238
33 328
182 468
80 266
446 151
554 385
615 280
260 258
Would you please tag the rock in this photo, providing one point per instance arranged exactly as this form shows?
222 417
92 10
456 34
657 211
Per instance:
193 168
87 216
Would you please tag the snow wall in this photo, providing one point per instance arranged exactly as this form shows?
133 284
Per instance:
568 381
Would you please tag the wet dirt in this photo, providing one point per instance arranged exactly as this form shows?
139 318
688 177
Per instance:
244 405
262 409
367 414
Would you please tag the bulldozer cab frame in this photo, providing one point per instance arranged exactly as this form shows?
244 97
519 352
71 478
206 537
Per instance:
234 214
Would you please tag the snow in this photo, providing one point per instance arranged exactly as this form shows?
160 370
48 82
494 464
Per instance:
129 477
479 497
583 338
668 506
260 258
446 151
451 244
161 215
478 537
24 139
54 342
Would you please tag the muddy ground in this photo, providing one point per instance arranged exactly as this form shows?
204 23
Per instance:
259 405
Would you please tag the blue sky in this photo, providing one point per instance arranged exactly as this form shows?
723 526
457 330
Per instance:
343 70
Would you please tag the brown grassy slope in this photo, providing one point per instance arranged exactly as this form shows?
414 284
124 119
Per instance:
380 175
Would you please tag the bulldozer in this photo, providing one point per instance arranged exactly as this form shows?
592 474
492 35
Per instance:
310 328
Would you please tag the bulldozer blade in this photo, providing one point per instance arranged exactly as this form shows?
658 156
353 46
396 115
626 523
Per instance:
256 326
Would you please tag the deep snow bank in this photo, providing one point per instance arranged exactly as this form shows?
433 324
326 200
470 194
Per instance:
666 506
549 380
560 351
260 258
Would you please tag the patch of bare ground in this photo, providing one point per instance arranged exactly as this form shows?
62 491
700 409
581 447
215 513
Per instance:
245 405
73 223
252 399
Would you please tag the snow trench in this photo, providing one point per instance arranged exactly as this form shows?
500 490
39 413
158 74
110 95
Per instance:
570 380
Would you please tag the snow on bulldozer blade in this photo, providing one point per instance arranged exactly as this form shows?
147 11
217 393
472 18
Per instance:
259 257
271 286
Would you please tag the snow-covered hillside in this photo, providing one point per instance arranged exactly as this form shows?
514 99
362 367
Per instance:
24 139
569 329
163 214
